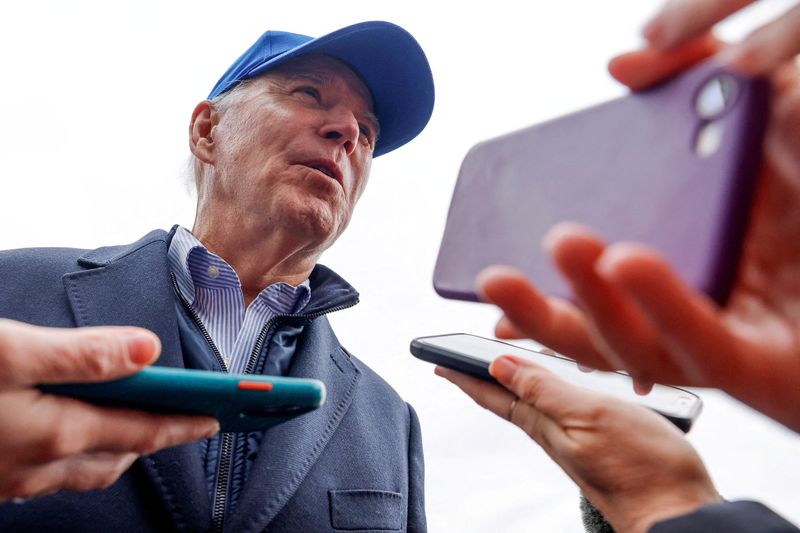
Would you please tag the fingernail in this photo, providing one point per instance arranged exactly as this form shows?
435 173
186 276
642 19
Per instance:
142 348
550 238
642 388
558 232
735 58
584 368
212 430
480 279
503 369
606 265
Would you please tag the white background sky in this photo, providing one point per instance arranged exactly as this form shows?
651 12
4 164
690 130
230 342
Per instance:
96 102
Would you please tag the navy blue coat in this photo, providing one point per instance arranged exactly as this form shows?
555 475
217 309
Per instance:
355 464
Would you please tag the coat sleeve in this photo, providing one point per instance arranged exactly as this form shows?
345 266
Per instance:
416 477
731 517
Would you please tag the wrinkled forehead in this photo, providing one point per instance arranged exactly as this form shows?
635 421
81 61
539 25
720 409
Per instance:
322 69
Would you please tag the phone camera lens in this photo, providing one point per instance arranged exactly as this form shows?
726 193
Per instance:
716 95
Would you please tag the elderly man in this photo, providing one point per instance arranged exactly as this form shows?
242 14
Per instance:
282 151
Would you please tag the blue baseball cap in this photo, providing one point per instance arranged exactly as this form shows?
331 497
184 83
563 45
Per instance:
386 57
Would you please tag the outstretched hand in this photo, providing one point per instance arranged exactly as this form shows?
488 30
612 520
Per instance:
51 442
633 312
632 464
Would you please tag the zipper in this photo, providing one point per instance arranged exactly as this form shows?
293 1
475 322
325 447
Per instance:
199 323
226 447
262 335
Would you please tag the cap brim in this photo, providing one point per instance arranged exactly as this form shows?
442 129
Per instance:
392 65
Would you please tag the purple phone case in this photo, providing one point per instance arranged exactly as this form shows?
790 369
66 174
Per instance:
626 168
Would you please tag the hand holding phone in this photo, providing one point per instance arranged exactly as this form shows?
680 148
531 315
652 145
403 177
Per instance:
623 457
472 355
672 167
241 402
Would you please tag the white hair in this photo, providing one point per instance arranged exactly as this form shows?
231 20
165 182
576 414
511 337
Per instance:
195 169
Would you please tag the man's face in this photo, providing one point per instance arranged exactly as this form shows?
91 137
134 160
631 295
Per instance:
294 152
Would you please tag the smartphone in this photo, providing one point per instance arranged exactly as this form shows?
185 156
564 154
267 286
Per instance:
472 355
241 402
673 167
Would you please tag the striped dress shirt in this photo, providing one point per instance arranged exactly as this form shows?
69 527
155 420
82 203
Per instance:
213 290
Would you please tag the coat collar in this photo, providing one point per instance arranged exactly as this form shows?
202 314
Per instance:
130 285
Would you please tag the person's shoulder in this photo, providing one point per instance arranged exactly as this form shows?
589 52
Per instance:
45 259
38 259
376 389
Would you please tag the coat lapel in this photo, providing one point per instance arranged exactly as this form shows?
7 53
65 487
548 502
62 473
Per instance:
288 451
130 285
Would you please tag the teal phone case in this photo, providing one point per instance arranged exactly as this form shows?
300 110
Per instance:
241 402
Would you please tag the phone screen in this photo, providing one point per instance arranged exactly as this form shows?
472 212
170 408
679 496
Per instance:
673 402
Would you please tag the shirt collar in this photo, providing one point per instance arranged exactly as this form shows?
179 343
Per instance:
196 267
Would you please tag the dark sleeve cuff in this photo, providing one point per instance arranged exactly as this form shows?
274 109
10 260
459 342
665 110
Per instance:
731 517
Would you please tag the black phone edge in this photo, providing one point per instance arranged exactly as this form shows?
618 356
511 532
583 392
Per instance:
438 356
467 365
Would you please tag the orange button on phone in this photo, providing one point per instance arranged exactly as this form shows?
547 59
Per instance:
255 385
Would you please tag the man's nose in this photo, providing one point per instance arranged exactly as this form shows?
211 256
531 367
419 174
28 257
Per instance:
342 127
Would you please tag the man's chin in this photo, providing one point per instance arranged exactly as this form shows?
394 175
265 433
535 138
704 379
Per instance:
316 224
309 217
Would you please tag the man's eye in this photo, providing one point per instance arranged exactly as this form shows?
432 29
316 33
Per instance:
310 92
366 136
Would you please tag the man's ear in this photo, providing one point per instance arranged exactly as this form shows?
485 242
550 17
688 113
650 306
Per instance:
201 129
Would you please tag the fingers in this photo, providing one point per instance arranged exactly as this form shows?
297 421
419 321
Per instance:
643 68
700 348
783 148
82 472
646 320
633 464
144 433
499 400
682 20
621 333
50 442
552 322
97 429
42 428
537 387
31 354
548 407
679 36
638 315
768 47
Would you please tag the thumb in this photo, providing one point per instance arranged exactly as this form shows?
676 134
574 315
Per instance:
538 387
33 354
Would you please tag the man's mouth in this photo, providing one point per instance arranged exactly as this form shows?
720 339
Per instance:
329 168
324 170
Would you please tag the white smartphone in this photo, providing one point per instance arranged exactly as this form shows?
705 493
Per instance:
472 355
